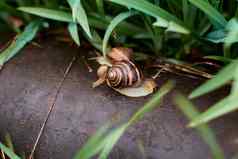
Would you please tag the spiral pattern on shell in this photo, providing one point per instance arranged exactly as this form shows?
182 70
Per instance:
124 74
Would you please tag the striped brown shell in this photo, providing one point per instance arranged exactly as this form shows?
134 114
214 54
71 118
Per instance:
124 74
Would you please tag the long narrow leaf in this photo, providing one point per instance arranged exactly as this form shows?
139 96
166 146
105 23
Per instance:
150 9
206 133
73 30
113 24
79 15
225 75
8 152
94 144
226 105
95 21
214 14
20 41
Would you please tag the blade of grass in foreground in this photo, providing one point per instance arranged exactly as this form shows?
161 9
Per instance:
8 152
225 75
226 105
119 18
20 41
107 142
206 133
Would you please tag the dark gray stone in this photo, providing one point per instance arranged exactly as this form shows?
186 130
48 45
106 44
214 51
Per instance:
29 81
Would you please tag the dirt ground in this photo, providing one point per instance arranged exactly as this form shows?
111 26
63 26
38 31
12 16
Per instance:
29 82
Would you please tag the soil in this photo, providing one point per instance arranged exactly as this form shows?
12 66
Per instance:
29 82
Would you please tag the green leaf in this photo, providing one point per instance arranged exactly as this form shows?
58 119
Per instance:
118 19
20 41
73 30
223 76
100 6
232 36
8 152
217 36
100 142
207 8
79 15
111 140
95 20
150 9
48 13
226 105
93 145
206 133
155 101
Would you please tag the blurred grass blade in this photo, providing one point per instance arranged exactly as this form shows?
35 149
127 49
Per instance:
226 105
155 101
95 20
73 30
93 145
79 15
111 140
171 26
100 142
96 41
119 18
232 36
150 9
224 76
100 6
20 41
207 8
9 143
206 133
217 36
48 13
8 152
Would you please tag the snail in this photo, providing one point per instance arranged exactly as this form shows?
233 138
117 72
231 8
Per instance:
119 72
122 72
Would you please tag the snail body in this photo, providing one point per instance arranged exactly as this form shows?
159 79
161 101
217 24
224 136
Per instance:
119 72
122 72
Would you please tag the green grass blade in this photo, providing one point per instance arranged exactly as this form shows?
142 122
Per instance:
20 41
150 9
100 6
8 152
105 144
232 36
207 8
48 13
73 30
80 15
118 19
226 105
206 133
225 75
152 103
93 145
111 140
95 20
9 143
96 41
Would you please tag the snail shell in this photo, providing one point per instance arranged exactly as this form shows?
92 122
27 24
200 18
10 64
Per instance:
124 74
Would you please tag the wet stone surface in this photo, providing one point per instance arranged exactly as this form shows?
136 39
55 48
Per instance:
29 81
